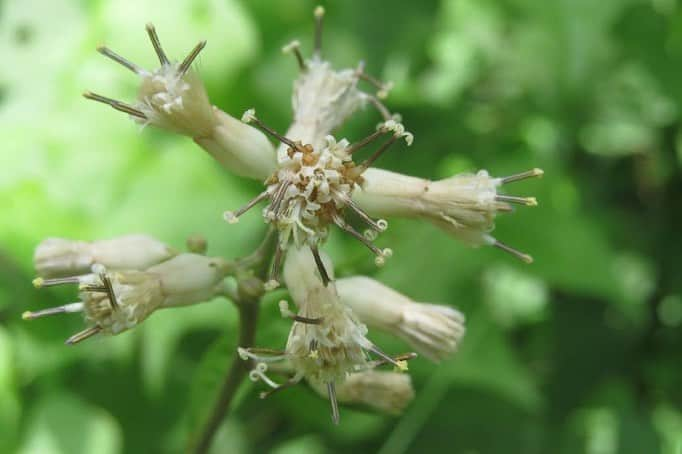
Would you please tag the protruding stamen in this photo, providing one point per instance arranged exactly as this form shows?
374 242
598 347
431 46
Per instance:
295 48
331 392
104 50
319 22
515 252
154 38
528 201
320 265
109 288
287 384
369 161
189 59
378 105
232 217
381 255
286 313
403 358
273 278
277 198
398 363
118 105
522 176
250 117
379 225
383 88
261 355
39 282
83 335
259 374
65 309
366 141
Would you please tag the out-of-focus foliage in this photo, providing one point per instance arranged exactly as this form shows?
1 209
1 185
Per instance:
578 352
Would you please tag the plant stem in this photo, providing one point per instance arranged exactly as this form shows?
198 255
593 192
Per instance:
248 317
248 296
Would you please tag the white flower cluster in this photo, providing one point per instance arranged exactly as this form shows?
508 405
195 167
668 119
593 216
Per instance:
116 297
311 181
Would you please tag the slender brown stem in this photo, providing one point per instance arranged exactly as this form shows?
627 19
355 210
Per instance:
248 317
248 305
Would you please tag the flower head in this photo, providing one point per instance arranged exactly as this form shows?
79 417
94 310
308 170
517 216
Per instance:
324 98
115 301
59 257
171 96
433 330
327 343
312 187
464 205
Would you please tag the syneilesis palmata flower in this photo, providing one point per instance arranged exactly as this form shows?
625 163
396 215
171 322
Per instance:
324 98
327 343
171 96
312 188
115 301
463 205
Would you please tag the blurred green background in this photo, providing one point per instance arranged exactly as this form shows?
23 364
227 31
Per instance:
577 353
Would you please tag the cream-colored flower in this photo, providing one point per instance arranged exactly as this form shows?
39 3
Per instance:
312 187
324 98
173 97
383 391
115 301
463 205
326 343
58 257
433 330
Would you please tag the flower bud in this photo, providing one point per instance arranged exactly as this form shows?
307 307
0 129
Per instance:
58 257
387 392
434 331
463 205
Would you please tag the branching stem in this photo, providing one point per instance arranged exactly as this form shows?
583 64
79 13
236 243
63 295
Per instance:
247 300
